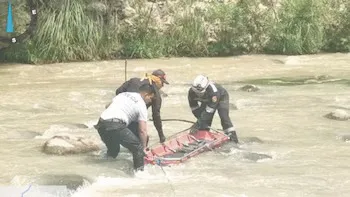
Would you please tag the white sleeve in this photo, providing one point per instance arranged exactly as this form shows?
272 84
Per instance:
143 113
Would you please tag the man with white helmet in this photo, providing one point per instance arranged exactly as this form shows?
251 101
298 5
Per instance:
212 97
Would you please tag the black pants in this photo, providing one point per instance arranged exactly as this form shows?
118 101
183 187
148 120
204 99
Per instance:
223 110
114 134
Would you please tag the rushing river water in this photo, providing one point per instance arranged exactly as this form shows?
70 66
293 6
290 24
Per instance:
309 157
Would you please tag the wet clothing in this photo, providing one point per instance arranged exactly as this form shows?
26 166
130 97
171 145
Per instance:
132 85
125 109
114 133
214 98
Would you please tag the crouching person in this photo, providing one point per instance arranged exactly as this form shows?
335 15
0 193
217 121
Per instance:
113 124
213 97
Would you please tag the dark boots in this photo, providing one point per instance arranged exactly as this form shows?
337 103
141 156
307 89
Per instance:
233 136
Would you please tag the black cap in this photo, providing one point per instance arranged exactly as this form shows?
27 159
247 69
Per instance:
161 74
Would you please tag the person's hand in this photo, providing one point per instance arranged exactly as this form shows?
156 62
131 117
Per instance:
146 151
194 128
162 139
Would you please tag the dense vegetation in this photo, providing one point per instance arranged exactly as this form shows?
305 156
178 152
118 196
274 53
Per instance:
69 31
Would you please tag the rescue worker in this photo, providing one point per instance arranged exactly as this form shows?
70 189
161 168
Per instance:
156 79
212 97
113 124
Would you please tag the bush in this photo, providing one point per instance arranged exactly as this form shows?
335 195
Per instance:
70 31
299 28
338 28
242 28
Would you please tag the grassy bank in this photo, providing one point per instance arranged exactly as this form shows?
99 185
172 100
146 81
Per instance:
70 32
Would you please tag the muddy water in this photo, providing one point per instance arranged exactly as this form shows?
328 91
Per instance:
286 114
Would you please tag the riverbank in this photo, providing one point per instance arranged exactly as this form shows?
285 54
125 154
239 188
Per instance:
84 30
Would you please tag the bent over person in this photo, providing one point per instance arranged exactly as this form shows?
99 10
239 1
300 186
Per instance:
113 124
157 80
213 97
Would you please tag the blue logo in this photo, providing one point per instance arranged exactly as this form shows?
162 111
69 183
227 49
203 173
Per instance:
9 24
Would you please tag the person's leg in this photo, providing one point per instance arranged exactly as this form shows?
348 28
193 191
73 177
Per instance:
107 132
226 123
112 143
134 128
130 141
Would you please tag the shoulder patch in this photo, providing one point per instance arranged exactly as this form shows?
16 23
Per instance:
214 99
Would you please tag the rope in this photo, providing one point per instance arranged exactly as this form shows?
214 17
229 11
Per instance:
188 121
166 176
180 120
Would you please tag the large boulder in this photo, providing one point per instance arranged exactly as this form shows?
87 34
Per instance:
69 144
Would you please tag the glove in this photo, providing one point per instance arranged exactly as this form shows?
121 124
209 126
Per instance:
194 128
233 136
162 139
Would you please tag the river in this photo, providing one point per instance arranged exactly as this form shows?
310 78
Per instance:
309 158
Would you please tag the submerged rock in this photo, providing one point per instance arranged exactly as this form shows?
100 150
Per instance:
22 135
69 144
251 156
252 140
344 137
233 106
323 77
338 114
256 156
71 181
249 88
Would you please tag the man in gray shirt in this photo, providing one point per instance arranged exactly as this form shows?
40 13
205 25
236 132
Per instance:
113 124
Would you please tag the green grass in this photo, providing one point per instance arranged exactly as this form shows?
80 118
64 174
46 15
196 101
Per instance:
299 28
68 31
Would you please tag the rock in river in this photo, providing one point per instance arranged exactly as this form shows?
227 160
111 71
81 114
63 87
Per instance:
69 144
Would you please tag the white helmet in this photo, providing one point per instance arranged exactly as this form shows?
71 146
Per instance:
200 84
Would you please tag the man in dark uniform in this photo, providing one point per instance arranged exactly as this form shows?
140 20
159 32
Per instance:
157 79
212 97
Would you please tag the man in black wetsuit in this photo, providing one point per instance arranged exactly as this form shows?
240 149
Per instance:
212 97
157 79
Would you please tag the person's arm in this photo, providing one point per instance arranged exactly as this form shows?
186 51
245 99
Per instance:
143 133
157 121
193 103
142 120
209 111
